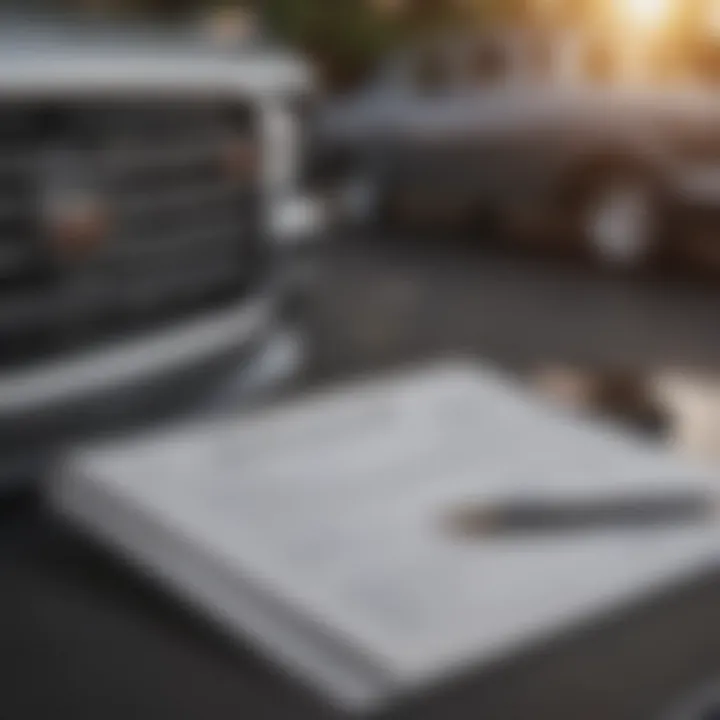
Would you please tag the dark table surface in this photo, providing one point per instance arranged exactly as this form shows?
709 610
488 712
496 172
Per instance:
83 637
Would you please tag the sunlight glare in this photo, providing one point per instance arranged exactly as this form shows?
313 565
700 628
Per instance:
645 14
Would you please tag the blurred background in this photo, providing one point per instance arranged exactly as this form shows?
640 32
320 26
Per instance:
611 310
642 347
347 39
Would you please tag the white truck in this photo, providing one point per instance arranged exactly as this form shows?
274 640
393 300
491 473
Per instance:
145 182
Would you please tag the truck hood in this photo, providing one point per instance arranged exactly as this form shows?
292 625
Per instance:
40 61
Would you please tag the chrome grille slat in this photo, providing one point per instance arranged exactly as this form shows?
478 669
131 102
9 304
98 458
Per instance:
140 159
170 199
218 237
177 285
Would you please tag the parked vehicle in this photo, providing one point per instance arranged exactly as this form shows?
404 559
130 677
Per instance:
144 184
497 123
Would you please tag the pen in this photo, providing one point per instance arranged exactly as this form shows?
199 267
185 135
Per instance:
561 516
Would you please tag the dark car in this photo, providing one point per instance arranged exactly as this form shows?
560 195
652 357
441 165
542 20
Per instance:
144 184
520 128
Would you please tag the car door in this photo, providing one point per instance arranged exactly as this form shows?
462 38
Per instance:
499 116
418 149
465 126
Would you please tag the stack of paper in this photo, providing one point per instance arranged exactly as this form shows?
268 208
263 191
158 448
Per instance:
322 531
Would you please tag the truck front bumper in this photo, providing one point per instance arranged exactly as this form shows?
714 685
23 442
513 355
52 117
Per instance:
217 360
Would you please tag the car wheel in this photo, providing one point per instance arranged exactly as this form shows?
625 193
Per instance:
619 222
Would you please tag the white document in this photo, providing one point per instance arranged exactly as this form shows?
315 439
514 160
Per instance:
320 530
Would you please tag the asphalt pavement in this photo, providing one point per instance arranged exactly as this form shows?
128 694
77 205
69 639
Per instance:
382 300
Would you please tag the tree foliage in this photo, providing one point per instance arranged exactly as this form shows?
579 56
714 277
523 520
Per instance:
345 36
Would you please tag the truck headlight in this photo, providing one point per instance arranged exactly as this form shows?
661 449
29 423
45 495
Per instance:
75 224
73 214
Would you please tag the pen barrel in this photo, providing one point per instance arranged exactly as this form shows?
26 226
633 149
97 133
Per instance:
555 517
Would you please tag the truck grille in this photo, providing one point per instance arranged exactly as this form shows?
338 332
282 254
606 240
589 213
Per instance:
182 225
